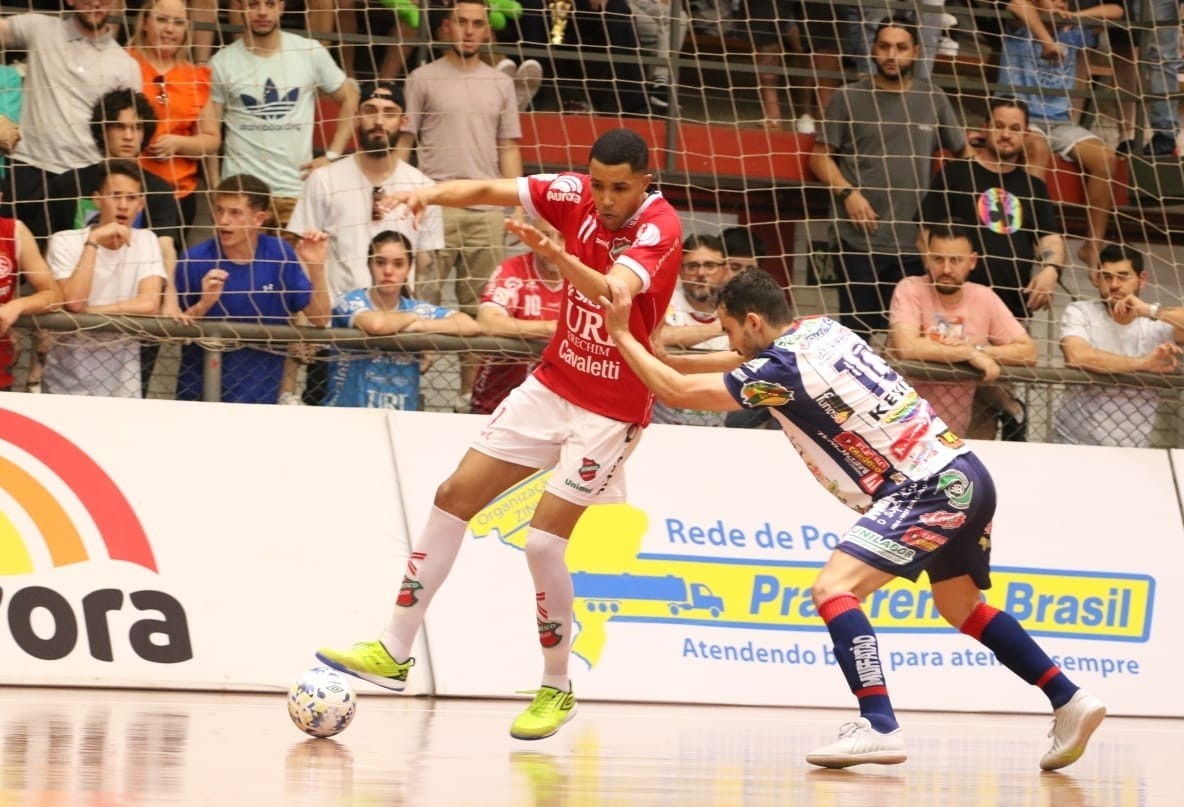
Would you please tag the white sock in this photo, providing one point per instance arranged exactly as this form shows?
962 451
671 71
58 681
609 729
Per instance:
554 596
427 568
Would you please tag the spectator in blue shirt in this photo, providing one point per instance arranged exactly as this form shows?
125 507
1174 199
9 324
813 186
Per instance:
243 275
387 380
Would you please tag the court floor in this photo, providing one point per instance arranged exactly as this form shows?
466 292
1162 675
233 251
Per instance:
122 747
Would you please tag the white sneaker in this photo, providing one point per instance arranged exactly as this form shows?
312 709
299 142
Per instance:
805 125
290 399
947 46
506 67
1072 726
528 77
859 743
948 20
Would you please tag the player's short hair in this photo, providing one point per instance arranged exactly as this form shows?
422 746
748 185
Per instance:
1117 253
257 191
697 241
621 146
902 20
950 230
741 242
755 292
1008 102
120 168
106 112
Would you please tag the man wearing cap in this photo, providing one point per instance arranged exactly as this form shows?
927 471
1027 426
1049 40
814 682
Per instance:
347 199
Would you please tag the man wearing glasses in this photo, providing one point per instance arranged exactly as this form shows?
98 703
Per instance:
691 322
347 199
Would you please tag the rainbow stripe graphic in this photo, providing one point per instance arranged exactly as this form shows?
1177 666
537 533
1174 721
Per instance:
117 523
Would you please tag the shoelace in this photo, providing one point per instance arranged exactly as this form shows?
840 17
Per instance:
848 729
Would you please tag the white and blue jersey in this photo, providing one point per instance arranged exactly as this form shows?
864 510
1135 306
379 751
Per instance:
877 446
379 380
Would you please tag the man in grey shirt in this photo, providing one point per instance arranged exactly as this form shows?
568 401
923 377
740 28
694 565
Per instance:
875 152
73 61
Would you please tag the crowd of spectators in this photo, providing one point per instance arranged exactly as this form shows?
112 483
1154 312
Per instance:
116 131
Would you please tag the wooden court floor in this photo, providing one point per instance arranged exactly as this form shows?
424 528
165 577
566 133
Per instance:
108 748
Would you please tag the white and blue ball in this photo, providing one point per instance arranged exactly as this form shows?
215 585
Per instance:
322 702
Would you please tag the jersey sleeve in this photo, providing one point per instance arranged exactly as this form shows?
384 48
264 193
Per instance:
329 76
761 381
551 197
297 287
656 249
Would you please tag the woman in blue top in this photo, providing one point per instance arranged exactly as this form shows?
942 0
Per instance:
387 380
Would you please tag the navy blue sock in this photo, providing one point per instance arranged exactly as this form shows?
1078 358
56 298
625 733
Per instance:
1018 651
858 654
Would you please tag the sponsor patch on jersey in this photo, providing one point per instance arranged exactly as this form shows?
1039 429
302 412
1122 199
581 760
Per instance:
923 539
943 519
857 447
765 393
588 469
564 188
950 439
648 235
835 407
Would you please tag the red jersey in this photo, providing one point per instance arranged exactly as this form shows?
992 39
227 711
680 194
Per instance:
517 288
8 283
582 363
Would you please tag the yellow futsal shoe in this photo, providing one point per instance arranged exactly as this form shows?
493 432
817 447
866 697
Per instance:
371 662
549 710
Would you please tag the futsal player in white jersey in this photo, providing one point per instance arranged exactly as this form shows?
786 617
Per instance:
581 412
926 501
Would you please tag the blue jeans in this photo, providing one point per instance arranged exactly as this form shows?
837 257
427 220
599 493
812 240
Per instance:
1159 62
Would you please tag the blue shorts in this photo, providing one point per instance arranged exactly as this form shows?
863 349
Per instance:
941 525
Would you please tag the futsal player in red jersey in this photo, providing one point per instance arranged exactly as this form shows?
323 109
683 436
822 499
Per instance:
581 412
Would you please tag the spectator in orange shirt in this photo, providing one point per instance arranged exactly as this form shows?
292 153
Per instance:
178 91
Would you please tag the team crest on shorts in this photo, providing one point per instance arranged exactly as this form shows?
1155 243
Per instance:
589 469
958 489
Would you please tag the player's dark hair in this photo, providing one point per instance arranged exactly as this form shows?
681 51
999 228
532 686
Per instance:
697 241
950 230
257 191
120 168
621 146
391 237
1008 102
740 242
106 112
1116 253
902 20
755 292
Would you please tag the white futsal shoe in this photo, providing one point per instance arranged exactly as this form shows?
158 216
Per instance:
859 743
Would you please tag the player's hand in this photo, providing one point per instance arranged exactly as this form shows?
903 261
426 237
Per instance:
408 203
616 305
164 147
1039 291
861 212
1163 359
174 312
533 238
10 135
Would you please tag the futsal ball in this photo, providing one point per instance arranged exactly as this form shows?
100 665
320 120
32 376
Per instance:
322 702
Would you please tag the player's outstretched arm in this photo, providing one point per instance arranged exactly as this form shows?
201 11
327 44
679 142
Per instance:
704 391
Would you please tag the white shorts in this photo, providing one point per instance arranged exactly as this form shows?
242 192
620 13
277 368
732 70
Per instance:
539 429
1063 137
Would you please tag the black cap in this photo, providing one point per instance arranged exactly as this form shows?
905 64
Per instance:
385 90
